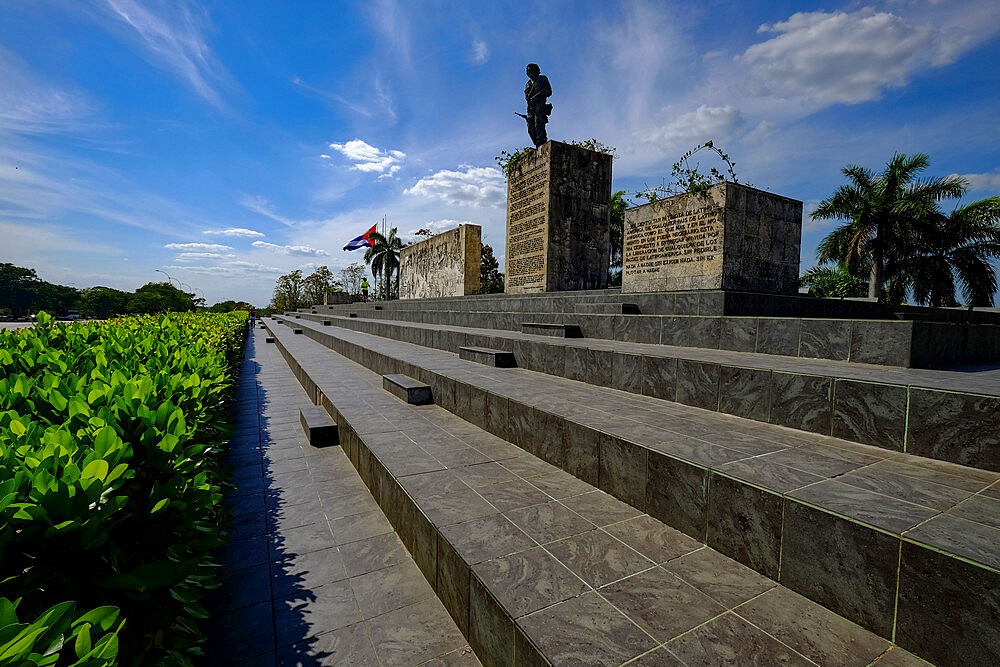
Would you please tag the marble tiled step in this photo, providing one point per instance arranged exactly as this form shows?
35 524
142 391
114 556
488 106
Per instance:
315 574
905 343
896 341
706 303
538 567
879 537
948 415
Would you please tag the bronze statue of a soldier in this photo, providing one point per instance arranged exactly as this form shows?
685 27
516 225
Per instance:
535 93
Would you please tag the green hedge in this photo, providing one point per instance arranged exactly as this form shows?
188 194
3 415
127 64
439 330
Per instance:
110 496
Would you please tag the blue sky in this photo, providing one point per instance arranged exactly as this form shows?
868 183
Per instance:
229 142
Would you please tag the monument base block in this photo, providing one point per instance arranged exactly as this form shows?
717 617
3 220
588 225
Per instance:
732 237
558 220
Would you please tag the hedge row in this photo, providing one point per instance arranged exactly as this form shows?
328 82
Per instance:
110 497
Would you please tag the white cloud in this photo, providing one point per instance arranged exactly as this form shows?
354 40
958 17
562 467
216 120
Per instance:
367 158
764 129
297 250
234 231
475 186
193 256
480 51
704 123
233 268
843 57
174 38
198 247
983 182
435 227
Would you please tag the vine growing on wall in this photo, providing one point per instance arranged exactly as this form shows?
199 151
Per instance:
691 180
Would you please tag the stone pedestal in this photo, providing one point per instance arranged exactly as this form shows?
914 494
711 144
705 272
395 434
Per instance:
447 264
336 298
558 215
732 238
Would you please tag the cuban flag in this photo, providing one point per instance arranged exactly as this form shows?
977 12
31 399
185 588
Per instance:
362 241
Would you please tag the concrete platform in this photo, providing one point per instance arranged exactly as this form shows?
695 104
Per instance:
537 566
908 410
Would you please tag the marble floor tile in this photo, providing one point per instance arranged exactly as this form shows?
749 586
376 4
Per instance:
529 580
812 630
729 640
598 558
720 578
548 522
662 604
600 508
585 630
382 591
414 634
653 539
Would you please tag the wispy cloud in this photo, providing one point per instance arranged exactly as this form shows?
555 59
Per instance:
193 256
29 106
173 37
480 51
235 231
198 247
296 250
261 205
469 186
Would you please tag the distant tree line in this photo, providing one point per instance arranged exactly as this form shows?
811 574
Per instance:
23 293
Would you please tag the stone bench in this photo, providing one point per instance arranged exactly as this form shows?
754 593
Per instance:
407 389
552 329
487 356
318 426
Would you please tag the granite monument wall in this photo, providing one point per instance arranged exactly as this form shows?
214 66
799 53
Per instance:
444 265
558 218
732 237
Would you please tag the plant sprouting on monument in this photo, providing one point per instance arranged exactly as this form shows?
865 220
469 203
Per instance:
506 160
383 257
691 180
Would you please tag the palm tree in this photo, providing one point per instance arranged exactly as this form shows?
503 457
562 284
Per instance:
879 209
958 247
383 256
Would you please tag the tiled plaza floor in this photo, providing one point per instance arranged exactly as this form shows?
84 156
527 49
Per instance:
315 574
